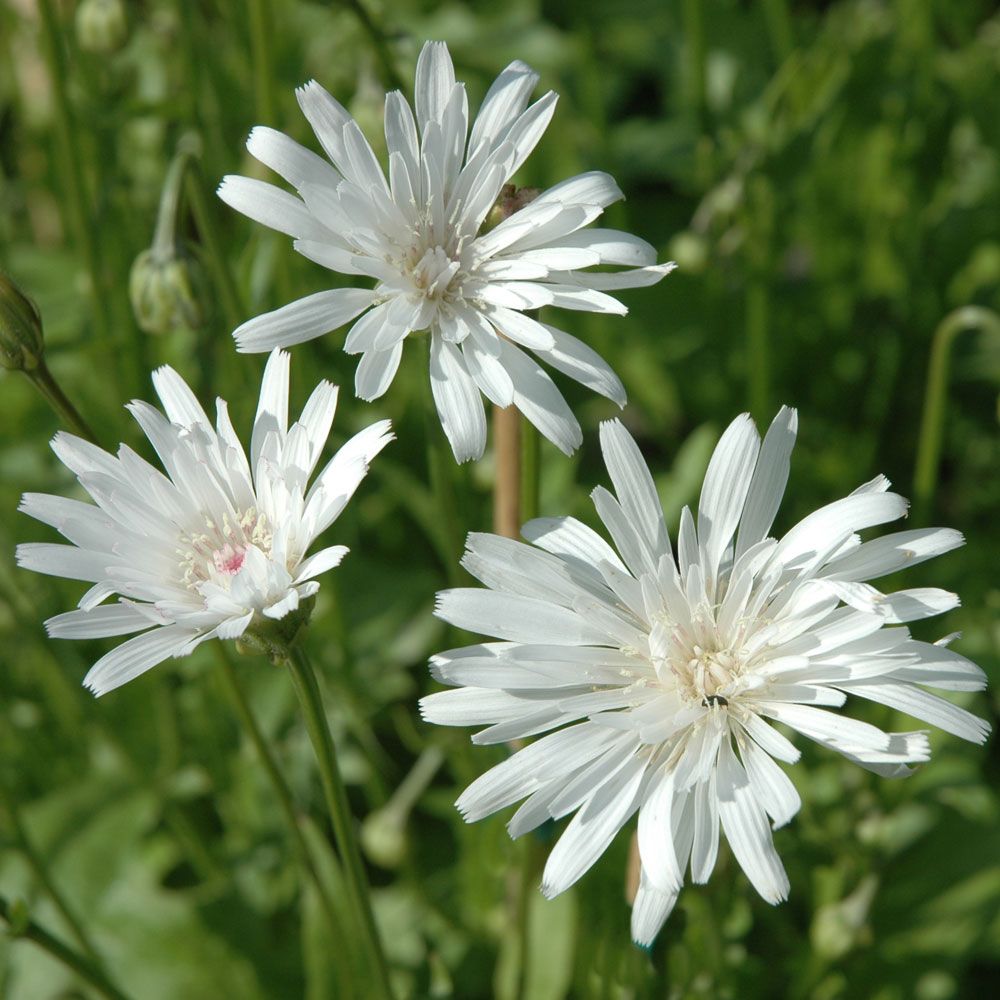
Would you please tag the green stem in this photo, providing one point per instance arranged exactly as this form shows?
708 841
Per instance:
240 702
75 187
208 230
85 969
379 43
335 792
694 36
935 397
41 872
261 32
757 348
58 400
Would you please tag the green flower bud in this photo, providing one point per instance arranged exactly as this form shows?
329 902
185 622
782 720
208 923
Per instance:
168 291
21 341
101 26
383 836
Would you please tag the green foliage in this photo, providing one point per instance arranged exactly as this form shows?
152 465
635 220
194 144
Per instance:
827 177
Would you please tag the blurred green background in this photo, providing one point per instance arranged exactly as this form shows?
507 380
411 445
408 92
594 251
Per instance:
827 175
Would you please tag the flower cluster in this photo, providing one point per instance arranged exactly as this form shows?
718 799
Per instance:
660 672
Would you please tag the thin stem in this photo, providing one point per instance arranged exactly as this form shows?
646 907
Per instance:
41 872
694 38
507 471
85 969
208 230
75 186
58 400
335 792
261 31
240 702
936 394
379 43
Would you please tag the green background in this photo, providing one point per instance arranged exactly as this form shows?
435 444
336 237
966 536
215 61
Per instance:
827 175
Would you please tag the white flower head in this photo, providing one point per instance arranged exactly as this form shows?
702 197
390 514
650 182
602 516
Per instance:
214 544
419 235
661 672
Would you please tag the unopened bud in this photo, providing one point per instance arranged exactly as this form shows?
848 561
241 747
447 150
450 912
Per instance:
383 836
21 341
169 291
511 199
101 26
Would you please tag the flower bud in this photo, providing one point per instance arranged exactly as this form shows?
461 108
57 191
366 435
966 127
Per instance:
511 199
21 341
101 26
168 291
383 836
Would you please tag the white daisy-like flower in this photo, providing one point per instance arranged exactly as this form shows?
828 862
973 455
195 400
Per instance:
214 547
419 235
662 673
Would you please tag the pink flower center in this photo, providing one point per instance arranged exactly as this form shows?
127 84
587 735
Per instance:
229 558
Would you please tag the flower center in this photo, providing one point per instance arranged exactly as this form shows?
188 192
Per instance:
217 553
434 273
701 665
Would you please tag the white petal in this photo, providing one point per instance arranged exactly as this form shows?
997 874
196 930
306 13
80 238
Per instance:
771 786
376 370
574 358
593 828
923 705
746 829
271 207
770 476
650 911
725 489
285 156
459 404
303 319
656 836
320 562
517 619
635 487
179 403
489 374
893 552
504 101
613 247
111 619
434 82
573 541
537 397
327 118
135 656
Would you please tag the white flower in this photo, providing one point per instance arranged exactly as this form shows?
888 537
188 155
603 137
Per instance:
678 663
217 541
419 237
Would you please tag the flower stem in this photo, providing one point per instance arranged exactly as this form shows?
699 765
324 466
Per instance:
69 149
507 471
935 398
85 969
261 33
240 702
335 792
58 400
